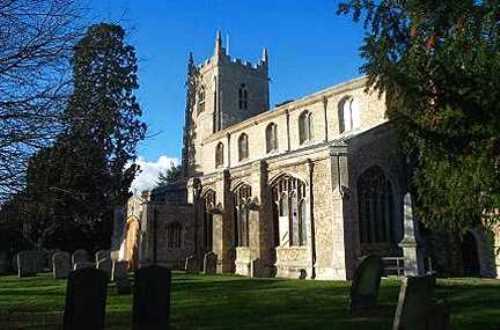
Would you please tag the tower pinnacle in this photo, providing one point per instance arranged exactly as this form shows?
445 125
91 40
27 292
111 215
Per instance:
218 44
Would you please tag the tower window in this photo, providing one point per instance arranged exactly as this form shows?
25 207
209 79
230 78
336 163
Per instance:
219 155
243 147
271 137
305 126
243 97
201 100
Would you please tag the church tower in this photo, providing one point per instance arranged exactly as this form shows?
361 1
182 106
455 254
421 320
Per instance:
222 91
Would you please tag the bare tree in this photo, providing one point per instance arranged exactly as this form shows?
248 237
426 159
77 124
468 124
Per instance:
36 39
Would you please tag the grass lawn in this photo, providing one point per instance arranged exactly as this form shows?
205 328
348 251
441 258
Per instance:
233 302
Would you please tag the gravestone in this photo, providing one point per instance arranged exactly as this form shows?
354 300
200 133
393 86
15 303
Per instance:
61 265
79 256
28 263
210 263
416 310
119 275
191 265
85 306
49 258
102 254
366 282
105 265
413 262
152 298
82 265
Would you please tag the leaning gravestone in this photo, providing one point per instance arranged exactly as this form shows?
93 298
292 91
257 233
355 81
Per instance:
61 265
119 275
79 256
191 265
210 263
102 254
415 310
105 265
27 263
366 282
82 265
85 306
152 298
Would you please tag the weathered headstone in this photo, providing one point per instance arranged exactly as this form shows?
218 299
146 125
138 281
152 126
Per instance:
82 265
152 298
61 265
105 265
413 262
210 263
27 263
119 275
366 282
191 265
415 310
85 300
102 254
49 254
79 256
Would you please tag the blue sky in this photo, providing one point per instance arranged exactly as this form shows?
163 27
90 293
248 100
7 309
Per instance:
310 48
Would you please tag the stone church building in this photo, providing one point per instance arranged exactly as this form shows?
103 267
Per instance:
301 190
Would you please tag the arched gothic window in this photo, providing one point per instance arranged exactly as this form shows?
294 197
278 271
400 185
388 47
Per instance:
349 114
271 137
243 97
289 196
305 127
219 155
207 226
376 207
201 99
174 235
243 147
242 196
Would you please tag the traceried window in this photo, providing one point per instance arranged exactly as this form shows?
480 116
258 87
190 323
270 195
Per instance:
207 225
376 207
242 197
305 126
219 155
243 147
243 97
174 235
271 138
289 197
201 99
349 114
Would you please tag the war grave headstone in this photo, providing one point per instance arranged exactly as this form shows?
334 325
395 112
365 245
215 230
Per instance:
61 265
366 283
152 298
119 275
28 263
85 306
210 263
79 256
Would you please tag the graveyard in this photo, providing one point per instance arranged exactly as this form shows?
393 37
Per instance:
233 302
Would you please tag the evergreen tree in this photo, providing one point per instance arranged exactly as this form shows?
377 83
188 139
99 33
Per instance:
76 184
438 64
171 175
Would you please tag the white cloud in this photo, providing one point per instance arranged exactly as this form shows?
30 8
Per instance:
149 171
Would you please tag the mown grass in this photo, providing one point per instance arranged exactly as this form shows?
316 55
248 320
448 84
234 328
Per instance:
233 302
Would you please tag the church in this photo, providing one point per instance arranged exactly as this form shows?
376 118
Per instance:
300 190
